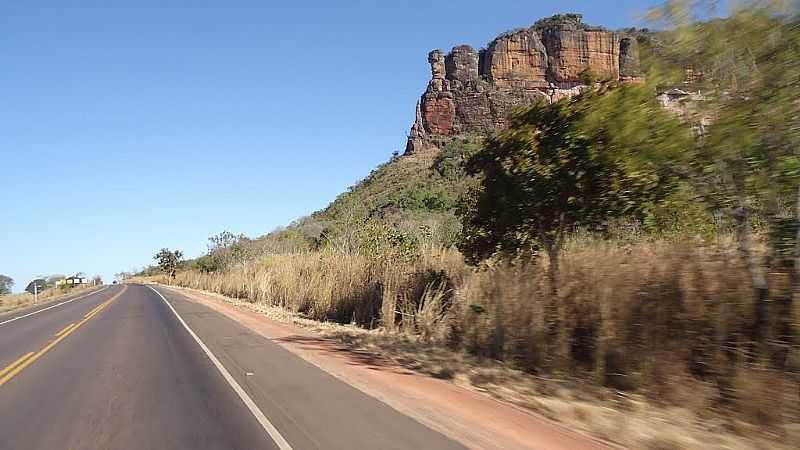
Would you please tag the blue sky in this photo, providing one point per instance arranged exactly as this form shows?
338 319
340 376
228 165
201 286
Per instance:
130 126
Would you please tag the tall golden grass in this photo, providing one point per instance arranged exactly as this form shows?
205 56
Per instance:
668 318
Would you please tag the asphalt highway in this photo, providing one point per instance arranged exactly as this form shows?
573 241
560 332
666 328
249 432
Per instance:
128 367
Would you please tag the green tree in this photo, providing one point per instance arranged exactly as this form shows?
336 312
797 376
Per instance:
206 264
36 286
168 261
574 163
381 241
228 249
6 283
223 240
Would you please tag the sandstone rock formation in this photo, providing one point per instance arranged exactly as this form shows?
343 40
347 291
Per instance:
556 58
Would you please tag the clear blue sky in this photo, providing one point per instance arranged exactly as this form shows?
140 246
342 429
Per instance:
130 126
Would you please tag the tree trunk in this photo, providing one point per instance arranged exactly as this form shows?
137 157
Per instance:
553 253
552 322
757 279
784 314
553 249
552 319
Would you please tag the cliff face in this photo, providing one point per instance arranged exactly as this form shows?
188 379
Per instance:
556 58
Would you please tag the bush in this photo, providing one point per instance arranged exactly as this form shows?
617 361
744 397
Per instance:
380 241
206 264
427 198
450 162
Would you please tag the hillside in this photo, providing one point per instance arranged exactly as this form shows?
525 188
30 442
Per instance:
411 190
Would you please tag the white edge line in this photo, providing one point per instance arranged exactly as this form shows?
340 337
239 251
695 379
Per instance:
251 405
54 306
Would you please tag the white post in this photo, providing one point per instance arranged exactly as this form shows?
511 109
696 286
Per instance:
35 292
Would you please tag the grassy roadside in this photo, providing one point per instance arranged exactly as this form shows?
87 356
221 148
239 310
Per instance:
17 301
629 420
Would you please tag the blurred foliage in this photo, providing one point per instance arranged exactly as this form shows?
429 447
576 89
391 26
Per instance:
746 165
615 151
682 213
574 163
6 283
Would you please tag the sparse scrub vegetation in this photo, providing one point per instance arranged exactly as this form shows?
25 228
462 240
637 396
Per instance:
15 301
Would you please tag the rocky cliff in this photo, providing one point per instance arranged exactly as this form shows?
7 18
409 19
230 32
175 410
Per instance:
475 91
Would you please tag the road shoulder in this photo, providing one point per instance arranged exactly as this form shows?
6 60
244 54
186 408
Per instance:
475 420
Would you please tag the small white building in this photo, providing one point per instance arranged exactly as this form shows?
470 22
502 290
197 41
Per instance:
72 281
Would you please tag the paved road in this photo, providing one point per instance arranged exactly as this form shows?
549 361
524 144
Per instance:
124 368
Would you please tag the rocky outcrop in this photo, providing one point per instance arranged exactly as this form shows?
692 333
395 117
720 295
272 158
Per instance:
556 58
461 64
438 108
576 55
518 60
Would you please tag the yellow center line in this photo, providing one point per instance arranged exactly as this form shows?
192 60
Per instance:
97 310
93 310
20 365
15 364
65 329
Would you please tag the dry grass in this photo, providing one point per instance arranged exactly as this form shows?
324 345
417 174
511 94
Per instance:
21 300
331 286
646 343
631 420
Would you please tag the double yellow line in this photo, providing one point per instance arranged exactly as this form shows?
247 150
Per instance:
26 360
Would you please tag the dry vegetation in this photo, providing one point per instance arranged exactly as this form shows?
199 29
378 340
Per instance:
638 333
21 300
